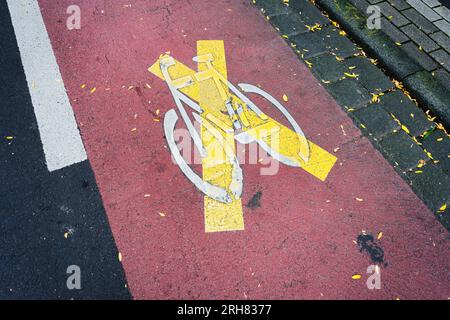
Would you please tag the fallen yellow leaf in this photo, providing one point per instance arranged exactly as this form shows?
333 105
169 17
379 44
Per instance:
404 128
285 98
380 234
356 276
351 75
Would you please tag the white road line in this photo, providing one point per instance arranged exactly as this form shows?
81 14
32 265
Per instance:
56 121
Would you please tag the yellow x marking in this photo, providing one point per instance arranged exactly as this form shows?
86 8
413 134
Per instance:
222 216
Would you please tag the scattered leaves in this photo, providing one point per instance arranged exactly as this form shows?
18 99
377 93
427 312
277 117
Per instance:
315 27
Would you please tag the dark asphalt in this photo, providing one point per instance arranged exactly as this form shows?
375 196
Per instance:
38 208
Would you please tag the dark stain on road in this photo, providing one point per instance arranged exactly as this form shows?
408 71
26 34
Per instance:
367 244
255 201
144 101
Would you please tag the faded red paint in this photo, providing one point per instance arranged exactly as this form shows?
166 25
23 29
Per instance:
299 243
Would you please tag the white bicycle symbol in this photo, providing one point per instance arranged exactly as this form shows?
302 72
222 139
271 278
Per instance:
237 105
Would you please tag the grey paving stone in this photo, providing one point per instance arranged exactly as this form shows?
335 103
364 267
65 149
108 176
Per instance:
444 26
271 7
419 56
406 112
327 68
309 44
444 12
308 13
336 43
288 24
420 21
424 10
438 144
392 31
399 4
392 14
361 5
402 151
433 187
375 120
328 38
349 94
443 77
443 58
432 3
375 1
420 38
441 39
369 75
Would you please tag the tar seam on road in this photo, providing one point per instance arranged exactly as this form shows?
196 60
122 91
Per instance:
56 121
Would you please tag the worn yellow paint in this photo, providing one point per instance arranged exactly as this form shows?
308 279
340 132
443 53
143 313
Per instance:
320 161
289 144
217 168
177 71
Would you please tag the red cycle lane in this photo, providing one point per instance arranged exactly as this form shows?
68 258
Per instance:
300 241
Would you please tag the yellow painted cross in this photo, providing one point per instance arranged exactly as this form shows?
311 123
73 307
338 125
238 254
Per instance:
217 169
